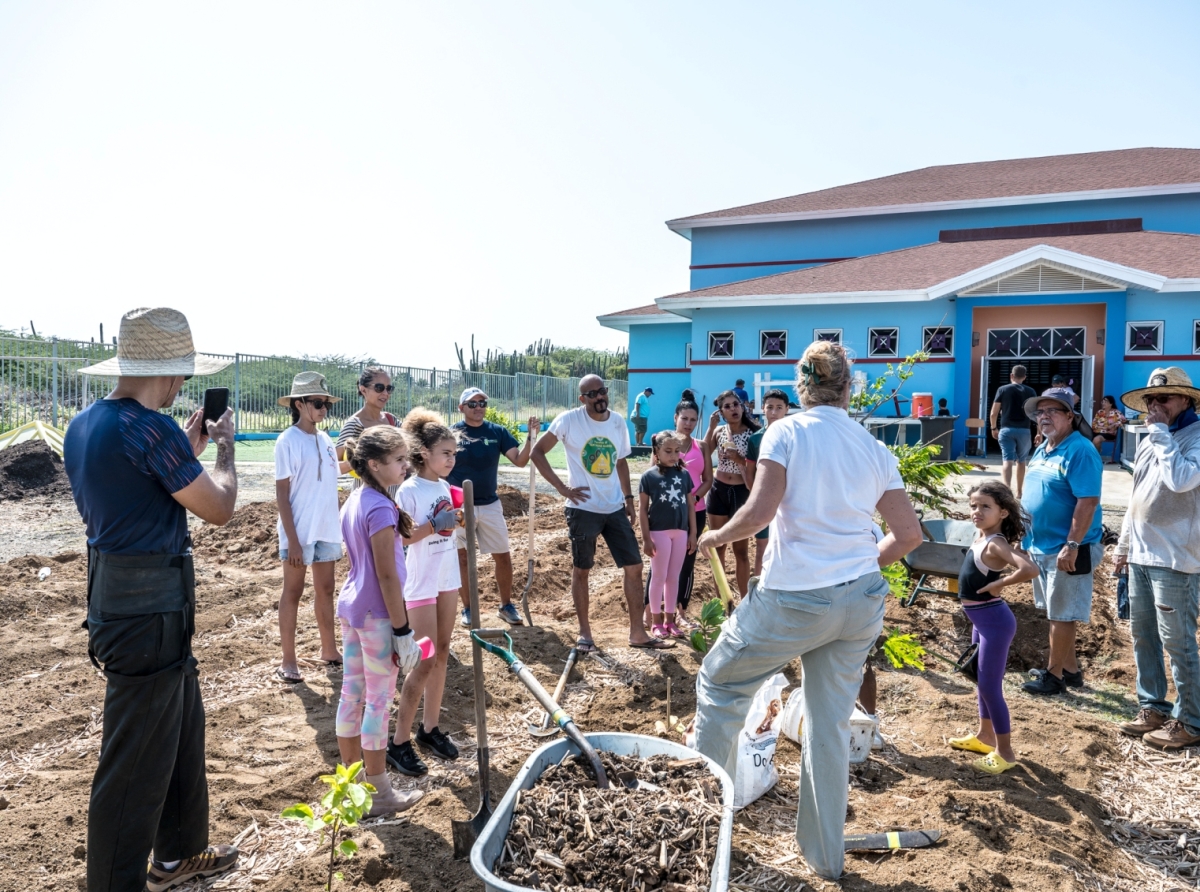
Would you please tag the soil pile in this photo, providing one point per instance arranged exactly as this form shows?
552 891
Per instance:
249 539
567 835
30 469
515 502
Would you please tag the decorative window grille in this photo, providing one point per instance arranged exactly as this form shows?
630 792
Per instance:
938 340
883 342
834 335
1196 336
1034 343
1143 337
687 356
1067 341
772 344
720 345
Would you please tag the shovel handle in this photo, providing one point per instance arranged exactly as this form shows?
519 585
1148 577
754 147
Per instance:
718 572
481 739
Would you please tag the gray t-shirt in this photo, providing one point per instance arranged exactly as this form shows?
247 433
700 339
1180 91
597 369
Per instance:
667 489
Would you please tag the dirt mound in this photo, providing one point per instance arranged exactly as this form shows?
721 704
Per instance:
248 540
515 502
31 468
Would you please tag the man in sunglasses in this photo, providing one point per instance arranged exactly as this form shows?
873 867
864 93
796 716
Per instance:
600 503
480 446
1062 495
1160 546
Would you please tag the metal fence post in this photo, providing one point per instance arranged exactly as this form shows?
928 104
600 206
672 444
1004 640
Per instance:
237 392
54 381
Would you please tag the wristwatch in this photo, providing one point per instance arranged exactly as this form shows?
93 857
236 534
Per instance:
1071 544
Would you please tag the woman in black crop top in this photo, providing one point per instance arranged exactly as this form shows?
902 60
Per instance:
1001 522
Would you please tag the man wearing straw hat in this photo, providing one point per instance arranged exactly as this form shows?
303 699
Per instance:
134 476
1160 546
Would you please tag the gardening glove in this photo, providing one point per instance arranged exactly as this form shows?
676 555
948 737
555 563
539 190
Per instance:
408 655
445 520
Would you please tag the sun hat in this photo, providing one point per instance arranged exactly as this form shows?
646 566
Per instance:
1065 396
308 384
156 342
470 393
1172 379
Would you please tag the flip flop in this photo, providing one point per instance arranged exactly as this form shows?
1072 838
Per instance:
585 645
291 677
654 644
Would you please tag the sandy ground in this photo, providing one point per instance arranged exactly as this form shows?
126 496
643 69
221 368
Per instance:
1052 824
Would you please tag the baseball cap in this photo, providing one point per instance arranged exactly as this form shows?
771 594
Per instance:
470 393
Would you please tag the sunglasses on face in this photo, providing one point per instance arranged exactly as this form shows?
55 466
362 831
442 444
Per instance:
476 404
1160 398
319 405
1040 412
592 394
379 387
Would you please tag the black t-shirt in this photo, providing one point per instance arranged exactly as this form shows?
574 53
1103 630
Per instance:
1011 398
668 490
478 460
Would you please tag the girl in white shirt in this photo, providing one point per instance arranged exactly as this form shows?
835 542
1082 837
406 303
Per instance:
431 593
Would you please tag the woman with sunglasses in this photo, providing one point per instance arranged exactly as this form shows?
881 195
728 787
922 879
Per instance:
310 532
375 386
729 492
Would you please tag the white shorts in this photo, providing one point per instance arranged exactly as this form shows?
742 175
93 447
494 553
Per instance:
491 532
448 579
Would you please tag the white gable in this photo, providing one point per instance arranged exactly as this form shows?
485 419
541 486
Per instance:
1043 277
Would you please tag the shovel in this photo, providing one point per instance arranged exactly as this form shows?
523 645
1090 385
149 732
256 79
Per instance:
896 839
718 572
544 729
466 832
529 545
557 713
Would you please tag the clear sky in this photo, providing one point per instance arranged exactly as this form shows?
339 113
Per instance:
382 179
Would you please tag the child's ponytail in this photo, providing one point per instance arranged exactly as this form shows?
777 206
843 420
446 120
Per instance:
377 443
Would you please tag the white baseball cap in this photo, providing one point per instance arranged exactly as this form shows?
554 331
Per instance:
471 393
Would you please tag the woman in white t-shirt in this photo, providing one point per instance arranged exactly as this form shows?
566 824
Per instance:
821 477
431 591
310 532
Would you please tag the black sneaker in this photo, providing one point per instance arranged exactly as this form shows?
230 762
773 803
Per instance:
404 759
436 742
1070 679
1046 683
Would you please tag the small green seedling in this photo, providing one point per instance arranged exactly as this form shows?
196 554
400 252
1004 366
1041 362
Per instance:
897 579
712 614
342 807
903 650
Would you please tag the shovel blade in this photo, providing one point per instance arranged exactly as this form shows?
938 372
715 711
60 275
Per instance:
902 839
466 832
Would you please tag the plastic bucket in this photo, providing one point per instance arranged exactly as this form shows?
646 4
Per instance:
922 404
491 841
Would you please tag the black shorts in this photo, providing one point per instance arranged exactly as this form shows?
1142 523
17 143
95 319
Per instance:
584 527
724 499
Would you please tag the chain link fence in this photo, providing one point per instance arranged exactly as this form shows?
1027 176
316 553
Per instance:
40 380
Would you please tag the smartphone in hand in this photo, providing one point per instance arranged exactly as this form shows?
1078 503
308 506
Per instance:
216 401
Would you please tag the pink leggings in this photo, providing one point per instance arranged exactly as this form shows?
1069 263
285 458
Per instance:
670 548
368 682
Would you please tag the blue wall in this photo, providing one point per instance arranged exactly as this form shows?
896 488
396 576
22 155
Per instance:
661 348
858 236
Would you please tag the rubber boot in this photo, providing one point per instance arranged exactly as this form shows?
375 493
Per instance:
386 800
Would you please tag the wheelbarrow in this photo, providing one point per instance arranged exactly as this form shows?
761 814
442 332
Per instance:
939 555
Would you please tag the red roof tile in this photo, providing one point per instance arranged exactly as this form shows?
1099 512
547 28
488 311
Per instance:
1053 174
1170 254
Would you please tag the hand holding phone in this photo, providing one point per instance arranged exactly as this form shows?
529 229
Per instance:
216 401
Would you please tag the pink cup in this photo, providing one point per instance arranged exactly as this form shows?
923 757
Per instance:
456 497
428 648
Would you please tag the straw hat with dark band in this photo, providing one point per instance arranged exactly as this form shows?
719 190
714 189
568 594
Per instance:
308 384
1169 380
154 343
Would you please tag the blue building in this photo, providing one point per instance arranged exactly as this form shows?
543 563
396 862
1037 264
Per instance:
1083 265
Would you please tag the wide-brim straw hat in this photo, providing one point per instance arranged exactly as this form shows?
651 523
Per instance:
156 342
308 384
1172 379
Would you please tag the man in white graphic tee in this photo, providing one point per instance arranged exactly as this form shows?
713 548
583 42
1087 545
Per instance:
600 501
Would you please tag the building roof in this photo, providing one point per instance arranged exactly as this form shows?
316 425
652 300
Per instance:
1157 261
986 183
651 313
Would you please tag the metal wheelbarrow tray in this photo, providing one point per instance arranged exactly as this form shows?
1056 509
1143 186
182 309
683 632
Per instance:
941 554
491 840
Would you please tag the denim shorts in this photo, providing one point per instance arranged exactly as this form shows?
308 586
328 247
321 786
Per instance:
1064 598
315 552
1015 444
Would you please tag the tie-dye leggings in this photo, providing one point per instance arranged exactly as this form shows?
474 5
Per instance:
368 682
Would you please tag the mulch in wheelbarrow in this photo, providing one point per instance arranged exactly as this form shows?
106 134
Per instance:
567 835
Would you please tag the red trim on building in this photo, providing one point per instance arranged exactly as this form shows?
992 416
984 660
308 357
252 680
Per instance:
767 263
1168 357
895 359
653 371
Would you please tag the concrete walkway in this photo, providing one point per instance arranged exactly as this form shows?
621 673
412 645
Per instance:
1115 492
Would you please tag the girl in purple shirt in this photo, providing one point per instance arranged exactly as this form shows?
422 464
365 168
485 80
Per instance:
376 637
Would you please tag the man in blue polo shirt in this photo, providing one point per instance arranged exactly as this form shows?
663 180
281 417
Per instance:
1062 496
480 445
